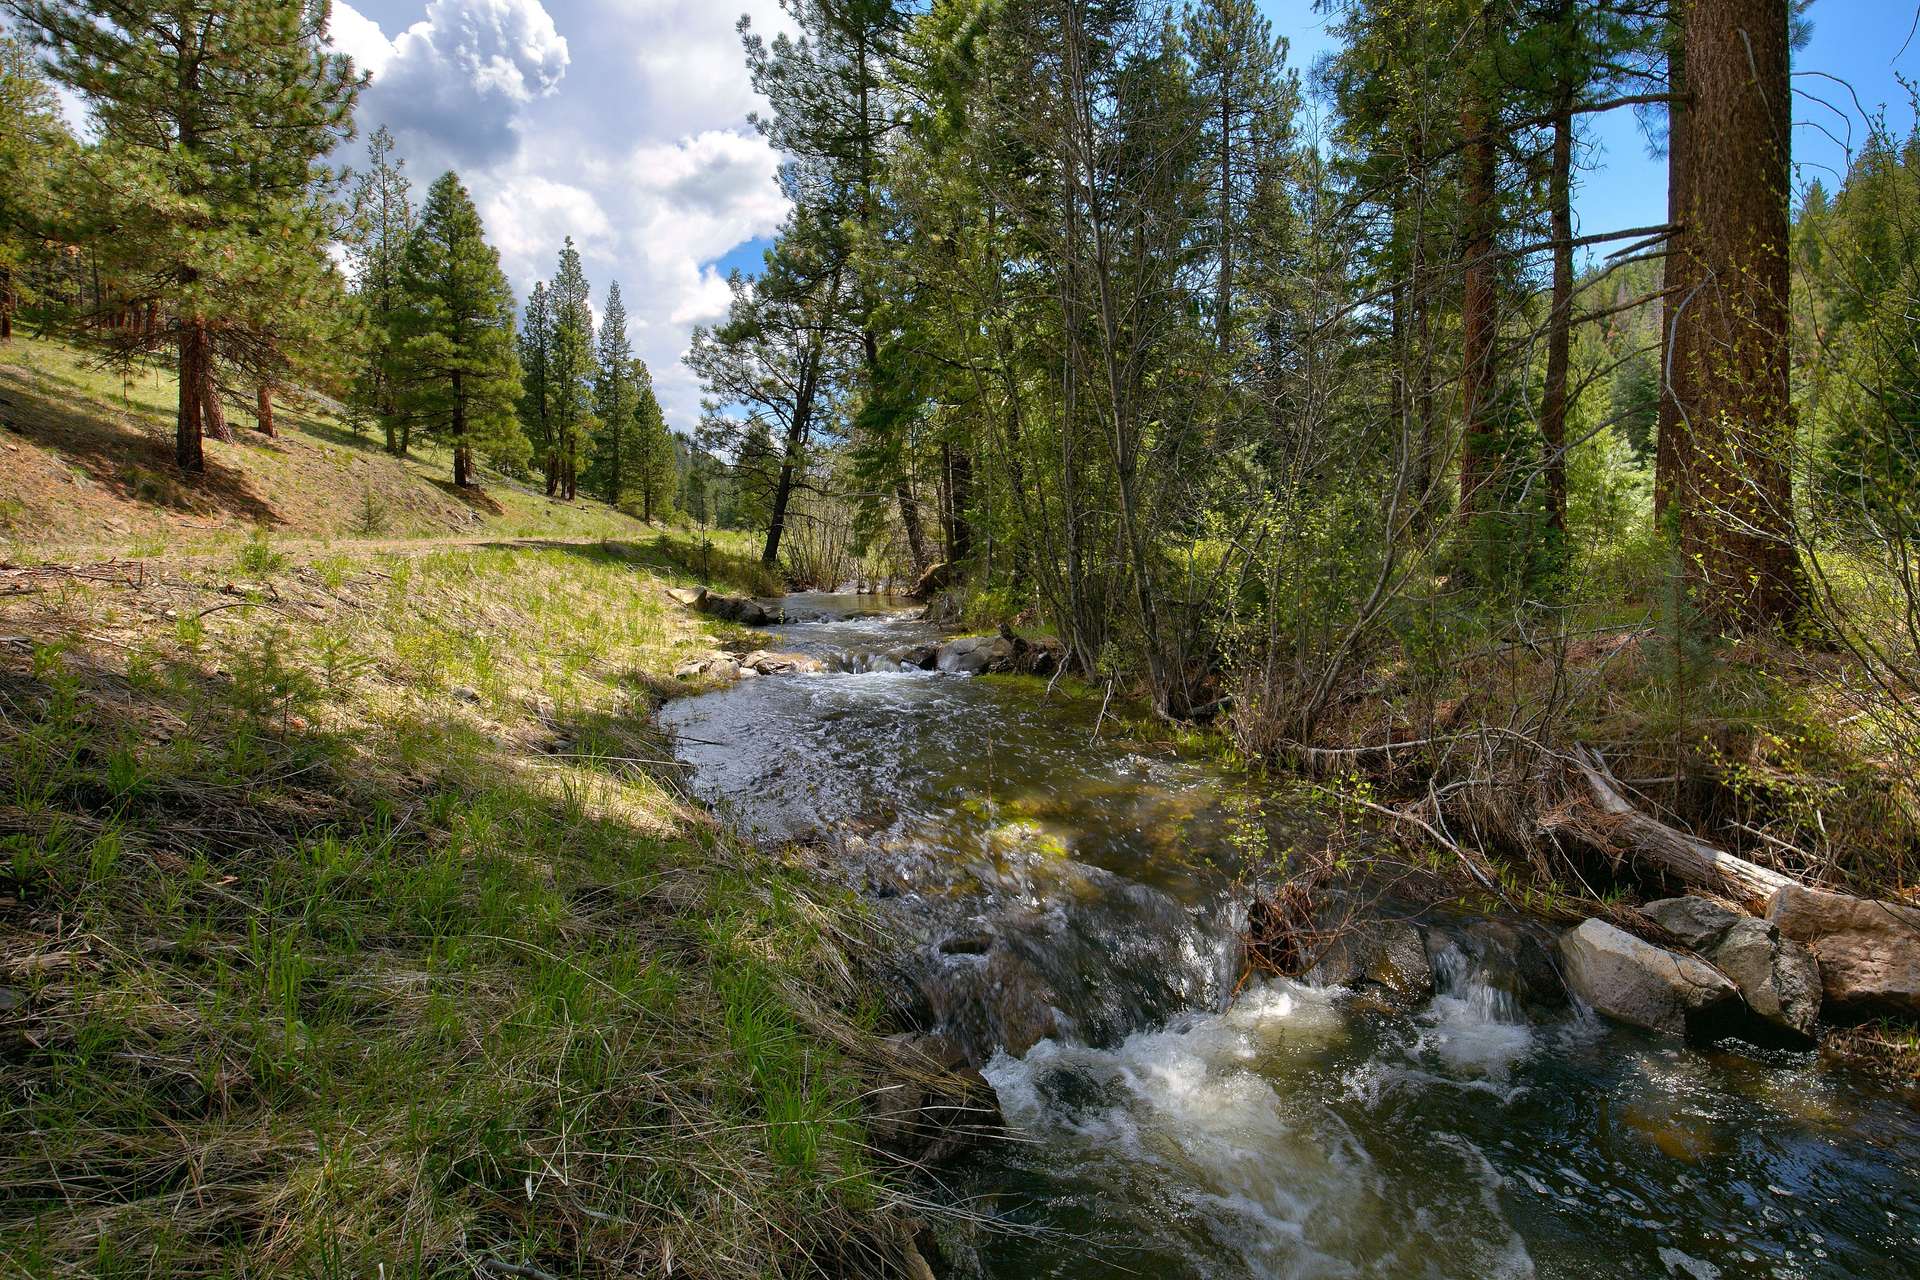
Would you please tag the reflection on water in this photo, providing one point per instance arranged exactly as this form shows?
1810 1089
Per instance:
1180 1131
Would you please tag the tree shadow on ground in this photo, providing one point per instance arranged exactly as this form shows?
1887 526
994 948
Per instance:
473 496
682 557
134 464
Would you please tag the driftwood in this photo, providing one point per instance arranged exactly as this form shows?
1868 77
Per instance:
1686 858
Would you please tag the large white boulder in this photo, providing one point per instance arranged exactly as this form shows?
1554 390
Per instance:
1643 985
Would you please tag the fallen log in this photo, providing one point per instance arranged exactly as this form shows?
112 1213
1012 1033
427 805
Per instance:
1686 858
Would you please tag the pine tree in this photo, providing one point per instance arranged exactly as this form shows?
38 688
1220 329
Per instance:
453 361
1240 71
653 447
34 145
536 397
570 366
772 359
206 194
382 211
613 395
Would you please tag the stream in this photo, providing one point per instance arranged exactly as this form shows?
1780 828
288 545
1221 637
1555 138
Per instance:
1079 938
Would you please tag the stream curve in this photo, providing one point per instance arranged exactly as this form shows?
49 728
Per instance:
1071 892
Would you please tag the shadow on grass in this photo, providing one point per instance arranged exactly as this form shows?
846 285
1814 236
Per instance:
684 558
473 497
134 465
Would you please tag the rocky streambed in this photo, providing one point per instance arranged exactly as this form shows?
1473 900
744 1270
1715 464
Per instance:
1441 1096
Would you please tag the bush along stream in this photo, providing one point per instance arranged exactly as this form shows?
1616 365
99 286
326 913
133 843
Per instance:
1437 1092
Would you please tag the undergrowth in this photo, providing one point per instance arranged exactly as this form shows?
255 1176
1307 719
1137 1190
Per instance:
356 927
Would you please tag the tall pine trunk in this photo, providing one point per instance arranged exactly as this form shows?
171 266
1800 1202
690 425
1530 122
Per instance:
188 451
1677 282
263 411
1553 406
1478 323
797 428
1733 475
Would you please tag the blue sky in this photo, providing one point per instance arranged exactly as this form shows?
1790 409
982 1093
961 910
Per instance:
623 123
1866 43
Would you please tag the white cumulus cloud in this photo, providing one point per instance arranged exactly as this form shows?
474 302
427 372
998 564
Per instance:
621 123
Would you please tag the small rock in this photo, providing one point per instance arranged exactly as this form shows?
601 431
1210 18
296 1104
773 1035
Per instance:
718 665
1777 976
11 998
1696 923
465 693
1643 985
1868 951
1389 954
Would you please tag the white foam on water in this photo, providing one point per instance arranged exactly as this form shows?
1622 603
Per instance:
1473 1031
1227 1115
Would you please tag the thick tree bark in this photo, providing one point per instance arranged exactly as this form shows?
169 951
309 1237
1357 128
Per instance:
6 304
214 413
1553 406
1732 469
1478 323
1678 282
960 498
263 411
187 447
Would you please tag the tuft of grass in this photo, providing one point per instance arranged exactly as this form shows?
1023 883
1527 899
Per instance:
258 555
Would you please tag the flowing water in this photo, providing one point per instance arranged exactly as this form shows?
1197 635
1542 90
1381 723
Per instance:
1072 892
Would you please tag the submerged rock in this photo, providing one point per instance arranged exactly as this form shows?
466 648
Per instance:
1643 985
1387 954
766 662
1777 976
1516 958
1868 951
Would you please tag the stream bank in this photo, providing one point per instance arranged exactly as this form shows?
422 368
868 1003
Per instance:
1442 1107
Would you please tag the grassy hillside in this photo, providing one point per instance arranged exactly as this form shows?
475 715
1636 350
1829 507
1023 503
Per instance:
353 920
88 466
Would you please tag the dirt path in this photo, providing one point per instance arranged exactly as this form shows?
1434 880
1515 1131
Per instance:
86 556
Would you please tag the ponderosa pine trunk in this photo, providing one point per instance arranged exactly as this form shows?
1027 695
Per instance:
211 410
263 411
795 446
1676 284
188 449
1478 326
1553 403
1732 471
